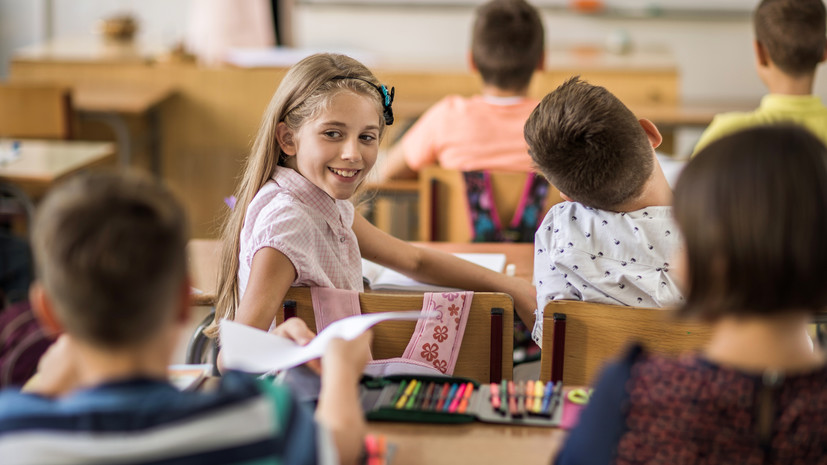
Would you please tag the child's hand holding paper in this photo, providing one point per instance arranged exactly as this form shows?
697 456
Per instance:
249 349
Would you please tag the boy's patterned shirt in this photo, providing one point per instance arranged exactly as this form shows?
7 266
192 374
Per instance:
582 253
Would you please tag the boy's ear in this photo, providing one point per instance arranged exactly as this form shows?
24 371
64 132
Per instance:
43 309
471 64
184 307
541 63
286 139
761 56
651 132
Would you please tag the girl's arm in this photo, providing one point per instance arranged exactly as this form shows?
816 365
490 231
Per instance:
271 275
435 267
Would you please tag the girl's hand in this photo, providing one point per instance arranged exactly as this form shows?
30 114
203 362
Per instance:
525 299
297 331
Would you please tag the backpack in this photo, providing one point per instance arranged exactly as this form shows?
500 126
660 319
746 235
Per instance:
22 342
485 222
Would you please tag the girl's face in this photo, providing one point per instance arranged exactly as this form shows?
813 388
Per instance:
337 149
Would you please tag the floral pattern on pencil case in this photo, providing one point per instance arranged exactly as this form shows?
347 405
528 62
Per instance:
437 340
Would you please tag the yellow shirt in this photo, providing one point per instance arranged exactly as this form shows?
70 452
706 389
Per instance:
806 110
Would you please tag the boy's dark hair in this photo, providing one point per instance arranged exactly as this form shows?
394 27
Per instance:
110 250
589 145
753 210
507 43
793 33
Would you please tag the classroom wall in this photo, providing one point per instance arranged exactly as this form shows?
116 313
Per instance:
421 34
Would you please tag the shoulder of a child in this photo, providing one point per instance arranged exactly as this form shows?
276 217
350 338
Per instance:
14 404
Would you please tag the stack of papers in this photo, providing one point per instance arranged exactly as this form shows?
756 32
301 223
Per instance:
382 278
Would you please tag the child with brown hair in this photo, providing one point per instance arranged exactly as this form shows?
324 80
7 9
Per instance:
611 241
294 224
790 42
110 255
752 207
483 132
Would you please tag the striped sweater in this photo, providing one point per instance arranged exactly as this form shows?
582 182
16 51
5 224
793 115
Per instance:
141 421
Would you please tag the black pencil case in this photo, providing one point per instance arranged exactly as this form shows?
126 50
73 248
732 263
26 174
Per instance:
380 400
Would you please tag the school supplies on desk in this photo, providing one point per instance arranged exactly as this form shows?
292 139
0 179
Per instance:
459 400
250 349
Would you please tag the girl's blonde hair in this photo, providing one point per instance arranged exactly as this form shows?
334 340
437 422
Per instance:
305 91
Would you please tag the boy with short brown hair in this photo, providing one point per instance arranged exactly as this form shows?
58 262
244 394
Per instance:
110 255
483 132
790 42
613 238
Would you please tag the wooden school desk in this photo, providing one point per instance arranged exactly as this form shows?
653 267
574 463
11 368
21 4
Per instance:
205 260
101 98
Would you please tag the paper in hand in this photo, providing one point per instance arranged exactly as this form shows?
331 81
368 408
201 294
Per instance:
250 349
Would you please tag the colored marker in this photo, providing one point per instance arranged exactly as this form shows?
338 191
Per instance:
412 397
402 400
495 397
446 388
519 396
399 392
538 398
558 393
429 393
504 396
450 396
466 398
529 395
547 395
438 393
457 397
512 401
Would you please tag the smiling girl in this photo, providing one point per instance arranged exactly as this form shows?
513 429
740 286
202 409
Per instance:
293 224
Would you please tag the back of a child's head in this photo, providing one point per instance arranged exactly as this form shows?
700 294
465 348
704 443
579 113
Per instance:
110 251
589 145
507 43
793 33
753 210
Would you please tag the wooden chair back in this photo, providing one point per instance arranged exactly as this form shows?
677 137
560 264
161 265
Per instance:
596 333
478 359
35 111
443 207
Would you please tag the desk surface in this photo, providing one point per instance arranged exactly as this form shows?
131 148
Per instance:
476 443
205 257
89 49
42 162
118 97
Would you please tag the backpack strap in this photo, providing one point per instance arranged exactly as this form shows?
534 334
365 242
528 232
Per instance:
529 212
485 222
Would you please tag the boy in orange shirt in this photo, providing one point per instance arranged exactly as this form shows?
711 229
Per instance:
483 132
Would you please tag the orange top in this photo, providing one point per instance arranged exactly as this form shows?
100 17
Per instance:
468 134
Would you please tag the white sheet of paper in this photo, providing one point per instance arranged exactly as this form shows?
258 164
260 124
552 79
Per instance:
250 349
382 278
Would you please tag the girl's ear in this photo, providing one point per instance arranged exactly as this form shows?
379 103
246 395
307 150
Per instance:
285 138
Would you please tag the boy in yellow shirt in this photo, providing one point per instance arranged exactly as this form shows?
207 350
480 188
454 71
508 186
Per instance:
789 44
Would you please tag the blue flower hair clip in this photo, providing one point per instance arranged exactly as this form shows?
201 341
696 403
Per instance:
387 97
